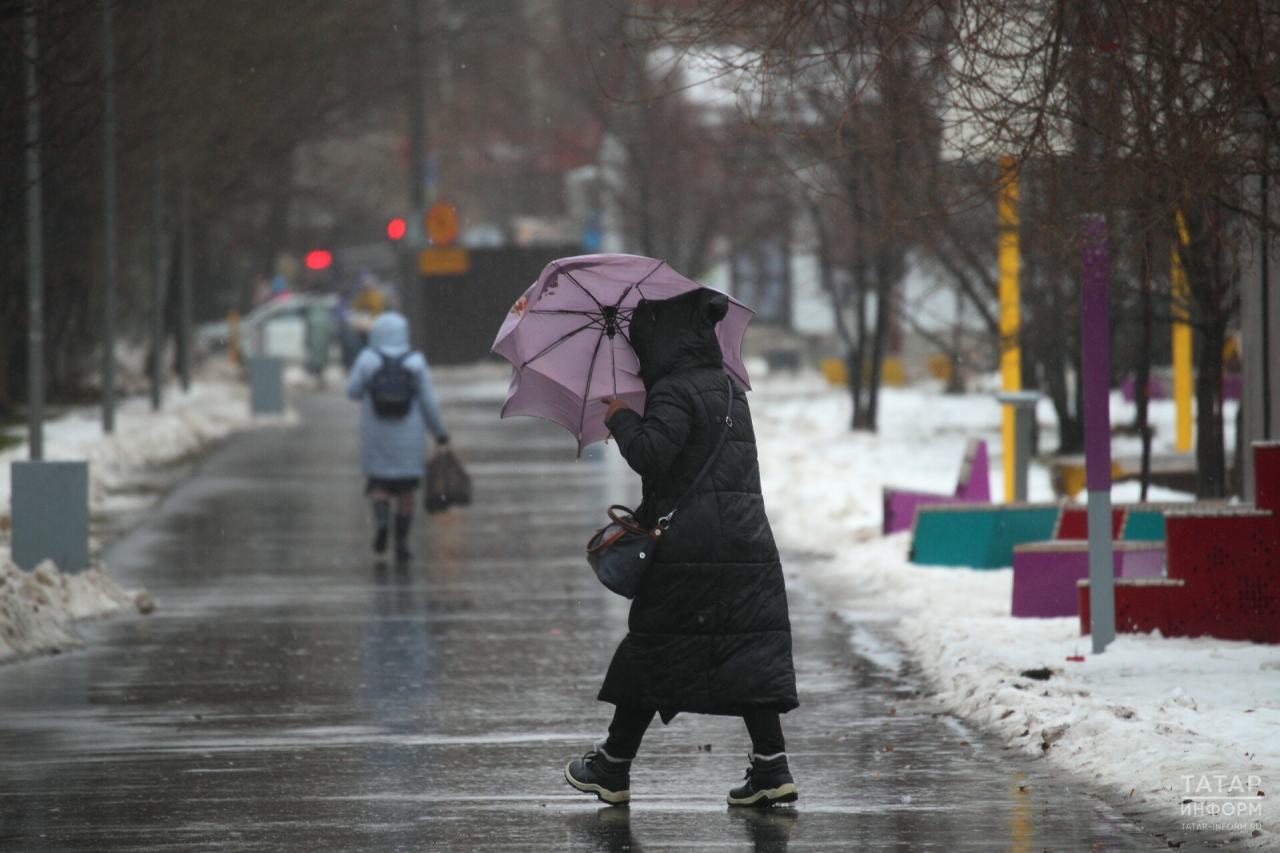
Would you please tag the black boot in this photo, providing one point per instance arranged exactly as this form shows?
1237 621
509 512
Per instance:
402 536
600 774
381 520
768 781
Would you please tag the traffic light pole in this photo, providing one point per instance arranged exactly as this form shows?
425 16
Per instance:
413 298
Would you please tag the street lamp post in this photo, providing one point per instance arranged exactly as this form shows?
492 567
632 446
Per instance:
109 260
35 242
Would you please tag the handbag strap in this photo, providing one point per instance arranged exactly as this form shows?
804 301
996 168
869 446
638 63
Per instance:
665 521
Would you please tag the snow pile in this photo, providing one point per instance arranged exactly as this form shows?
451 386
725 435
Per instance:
1158 720
37 608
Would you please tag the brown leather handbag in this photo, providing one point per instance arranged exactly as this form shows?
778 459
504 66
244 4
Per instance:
620 552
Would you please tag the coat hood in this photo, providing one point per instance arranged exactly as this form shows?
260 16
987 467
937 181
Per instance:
677 333
390 334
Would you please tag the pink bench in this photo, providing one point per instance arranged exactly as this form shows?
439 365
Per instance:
973 486
1045 574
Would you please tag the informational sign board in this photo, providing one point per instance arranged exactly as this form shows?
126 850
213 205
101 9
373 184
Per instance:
442 224
444 261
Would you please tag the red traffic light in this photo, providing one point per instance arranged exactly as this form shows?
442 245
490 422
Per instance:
395 229
319 260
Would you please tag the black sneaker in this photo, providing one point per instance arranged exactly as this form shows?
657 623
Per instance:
597 773
768 781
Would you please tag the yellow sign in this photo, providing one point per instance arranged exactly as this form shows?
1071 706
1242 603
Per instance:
444 261
442 224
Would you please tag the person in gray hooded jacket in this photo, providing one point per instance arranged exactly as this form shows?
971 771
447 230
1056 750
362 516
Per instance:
393 449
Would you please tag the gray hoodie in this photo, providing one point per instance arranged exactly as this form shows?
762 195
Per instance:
394 448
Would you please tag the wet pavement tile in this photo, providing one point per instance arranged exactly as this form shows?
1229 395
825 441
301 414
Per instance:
294 694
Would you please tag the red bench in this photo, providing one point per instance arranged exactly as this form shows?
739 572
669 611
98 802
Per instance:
1222 570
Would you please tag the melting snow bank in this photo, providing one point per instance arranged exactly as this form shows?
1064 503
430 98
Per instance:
1182 733
38 608
216 405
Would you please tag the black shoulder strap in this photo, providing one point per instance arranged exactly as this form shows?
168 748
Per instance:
665 521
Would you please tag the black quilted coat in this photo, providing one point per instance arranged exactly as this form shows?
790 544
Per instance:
709 631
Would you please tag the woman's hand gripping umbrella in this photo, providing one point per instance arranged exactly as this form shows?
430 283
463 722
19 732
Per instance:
567 339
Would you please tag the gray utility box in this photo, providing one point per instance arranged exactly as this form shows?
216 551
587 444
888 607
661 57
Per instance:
50 514
266 385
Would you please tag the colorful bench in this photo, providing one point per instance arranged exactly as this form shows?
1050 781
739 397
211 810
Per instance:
1223 570
1045 573
983 536
973 486
980 536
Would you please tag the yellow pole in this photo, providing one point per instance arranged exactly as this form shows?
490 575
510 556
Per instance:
1182 371
233 336
1010 319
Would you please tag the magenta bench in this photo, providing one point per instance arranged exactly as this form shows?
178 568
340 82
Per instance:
973 486
1045 573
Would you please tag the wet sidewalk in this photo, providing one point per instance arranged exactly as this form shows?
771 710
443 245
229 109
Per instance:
294 694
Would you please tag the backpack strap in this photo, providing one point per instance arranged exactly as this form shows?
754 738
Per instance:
397 360
665 521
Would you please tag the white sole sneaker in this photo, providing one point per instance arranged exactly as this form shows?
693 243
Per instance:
613 798
782 794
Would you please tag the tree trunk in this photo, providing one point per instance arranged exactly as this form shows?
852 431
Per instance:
886 275
1142 375
1202 260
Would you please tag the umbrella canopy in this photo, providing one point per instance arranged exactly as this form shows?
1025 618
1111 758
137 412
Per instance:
567 339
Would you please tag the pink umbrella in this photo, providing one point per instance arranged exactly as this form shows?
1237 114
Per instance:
567 339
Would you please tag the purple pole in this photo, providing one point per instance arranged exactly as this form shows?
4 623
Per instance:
1096 364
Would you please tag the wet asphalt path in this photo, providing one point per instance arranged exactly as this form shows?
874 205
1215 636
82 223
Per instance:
293 694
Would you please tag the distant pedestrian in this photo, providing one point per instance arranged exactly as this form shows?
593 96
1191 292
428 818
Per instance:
357 308
398 407
709 629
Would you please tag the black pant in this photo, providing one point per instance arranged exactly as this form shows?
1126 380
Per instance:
629 725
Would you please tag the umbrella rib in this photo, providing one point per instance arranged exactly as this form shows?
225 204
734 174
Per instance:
638 283
596 314
549 347
591 369
580 287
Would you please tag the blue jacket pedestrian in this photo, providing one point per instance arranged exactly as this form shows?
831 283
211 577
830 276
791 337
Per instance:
393 450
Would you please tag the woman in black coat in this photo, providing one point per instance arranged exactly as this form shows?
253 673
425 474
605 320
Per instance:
709 631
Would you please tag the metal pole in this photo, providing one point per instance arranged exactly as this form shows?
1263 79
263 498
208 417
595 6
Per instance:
417 127
1183 370
157 218
1023 406
110 263
1096 367
1265 286
1256 419
1024 429
412 291
35 244
185 294
1010 317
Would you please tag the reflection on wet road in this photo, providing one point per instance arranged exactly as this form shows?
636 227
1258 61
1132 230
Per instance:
293 694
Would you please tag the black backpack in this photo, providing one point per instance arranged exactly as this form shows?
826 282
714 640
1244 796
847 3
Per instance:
392 387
